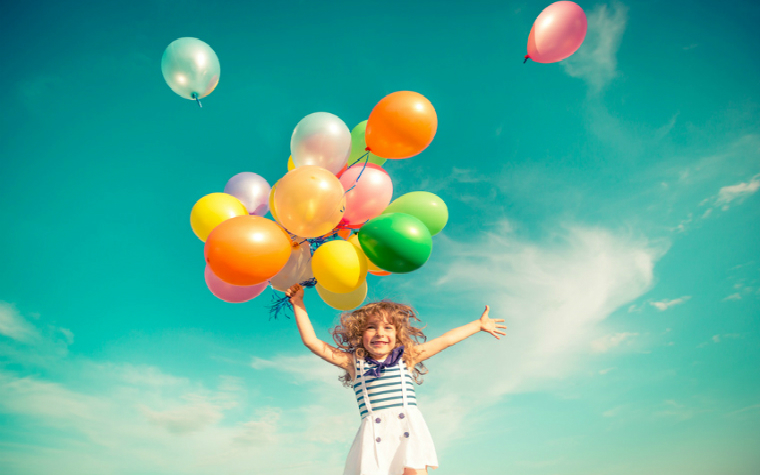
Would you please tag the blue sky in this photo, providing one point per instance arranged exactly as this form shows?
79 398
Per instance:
605 206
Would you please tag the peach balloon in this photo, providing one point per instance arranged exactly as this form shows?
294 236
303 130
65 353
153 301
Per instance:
309 201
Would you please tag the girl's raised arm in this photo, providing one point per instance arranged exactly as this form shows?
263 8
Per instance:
328 353
452 337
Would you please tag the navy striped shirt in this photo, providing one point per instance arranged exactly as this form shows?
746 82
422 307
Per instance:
384 391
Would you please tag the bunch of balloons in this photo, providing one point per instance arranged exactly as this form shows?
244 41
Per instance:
333 221
557 33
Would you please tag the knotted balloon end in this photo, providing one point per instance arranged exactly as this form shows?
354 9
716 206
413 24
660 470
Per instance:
526 58
197 99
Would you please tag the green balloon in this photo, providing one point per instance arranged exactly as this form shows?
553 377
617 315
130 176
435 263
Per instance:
359 145
396 242
425 206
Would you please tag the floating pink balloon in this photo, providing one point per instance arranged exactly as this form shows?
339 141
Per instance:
369 193
557 32
229 292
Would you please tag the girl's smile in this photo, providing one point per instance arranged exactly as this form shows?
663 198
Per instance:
379 338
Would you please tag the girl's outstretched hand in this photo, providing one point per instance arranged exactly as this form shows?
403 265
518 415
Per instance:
489 324
295 294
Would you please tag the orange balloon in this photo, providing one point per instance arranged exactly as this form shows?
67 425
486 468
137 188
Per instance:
380 272
344 233
247 250
401 125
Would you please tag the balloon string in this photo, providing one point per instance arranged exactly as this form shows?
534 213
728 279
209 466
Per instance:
363 157
282 304
197 99
526 59
364 166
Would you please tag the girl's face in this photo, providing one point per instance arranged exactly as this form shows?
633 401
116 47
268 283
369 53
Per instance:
379 338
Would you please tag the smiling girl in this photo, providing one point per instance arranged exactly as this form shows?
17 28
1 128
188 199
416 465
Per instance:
382 353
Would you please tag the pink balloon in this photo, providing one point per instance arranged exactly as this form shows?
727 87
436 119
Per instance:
557 32
370 195
232 293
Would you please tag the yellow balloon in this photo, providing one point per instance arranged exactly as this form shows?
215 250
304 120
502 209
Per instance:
211 210
309 201
291 165
354 239
271 203
339 266
346 301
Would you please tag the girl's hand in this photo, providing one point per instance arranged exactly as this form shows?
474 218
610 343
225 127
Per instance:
295 294
489 324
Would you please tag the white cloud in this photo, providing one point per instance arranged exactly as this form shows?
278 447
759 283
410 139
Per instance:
612 412
121 418
186 418
259 432
595 61
663 305
676 410
732 195
552 296
14 326
605 343
738 192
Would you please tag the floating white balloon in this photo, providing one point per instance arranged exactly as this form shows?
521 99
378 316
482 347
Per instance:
190 68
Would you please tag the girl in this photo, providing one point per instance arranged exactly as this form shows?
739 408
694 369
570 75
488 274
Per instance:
381 353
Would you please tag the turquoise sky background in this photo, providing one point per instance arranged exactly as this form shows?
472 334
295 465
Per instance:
605 206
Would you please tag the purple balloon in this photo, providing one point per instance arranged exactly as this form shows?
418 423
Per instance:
232 293
252 190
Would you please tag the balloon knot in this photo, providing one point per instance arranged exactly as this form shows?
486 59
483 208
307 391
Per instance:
367 149
526 59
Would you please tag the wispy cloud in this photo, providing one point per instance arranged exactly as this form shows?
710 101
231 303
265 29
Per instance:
186 418
606 343
663 305
553 296
596 60
738 192
14 326
126 418
731 195
612 412
676 410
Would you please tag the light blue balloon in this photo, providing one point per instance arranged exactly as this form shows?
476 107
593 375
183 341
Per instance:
190 68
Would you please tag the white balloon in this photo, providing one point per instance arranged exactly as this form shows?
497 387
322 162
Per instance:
190 68
296 270
321 139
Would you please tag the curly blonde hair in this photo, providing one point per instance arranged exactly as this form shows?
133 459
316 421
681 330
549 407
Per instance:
348 334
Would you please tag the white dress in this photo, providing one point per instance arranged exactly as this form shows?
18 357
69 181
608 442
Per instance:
393 434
